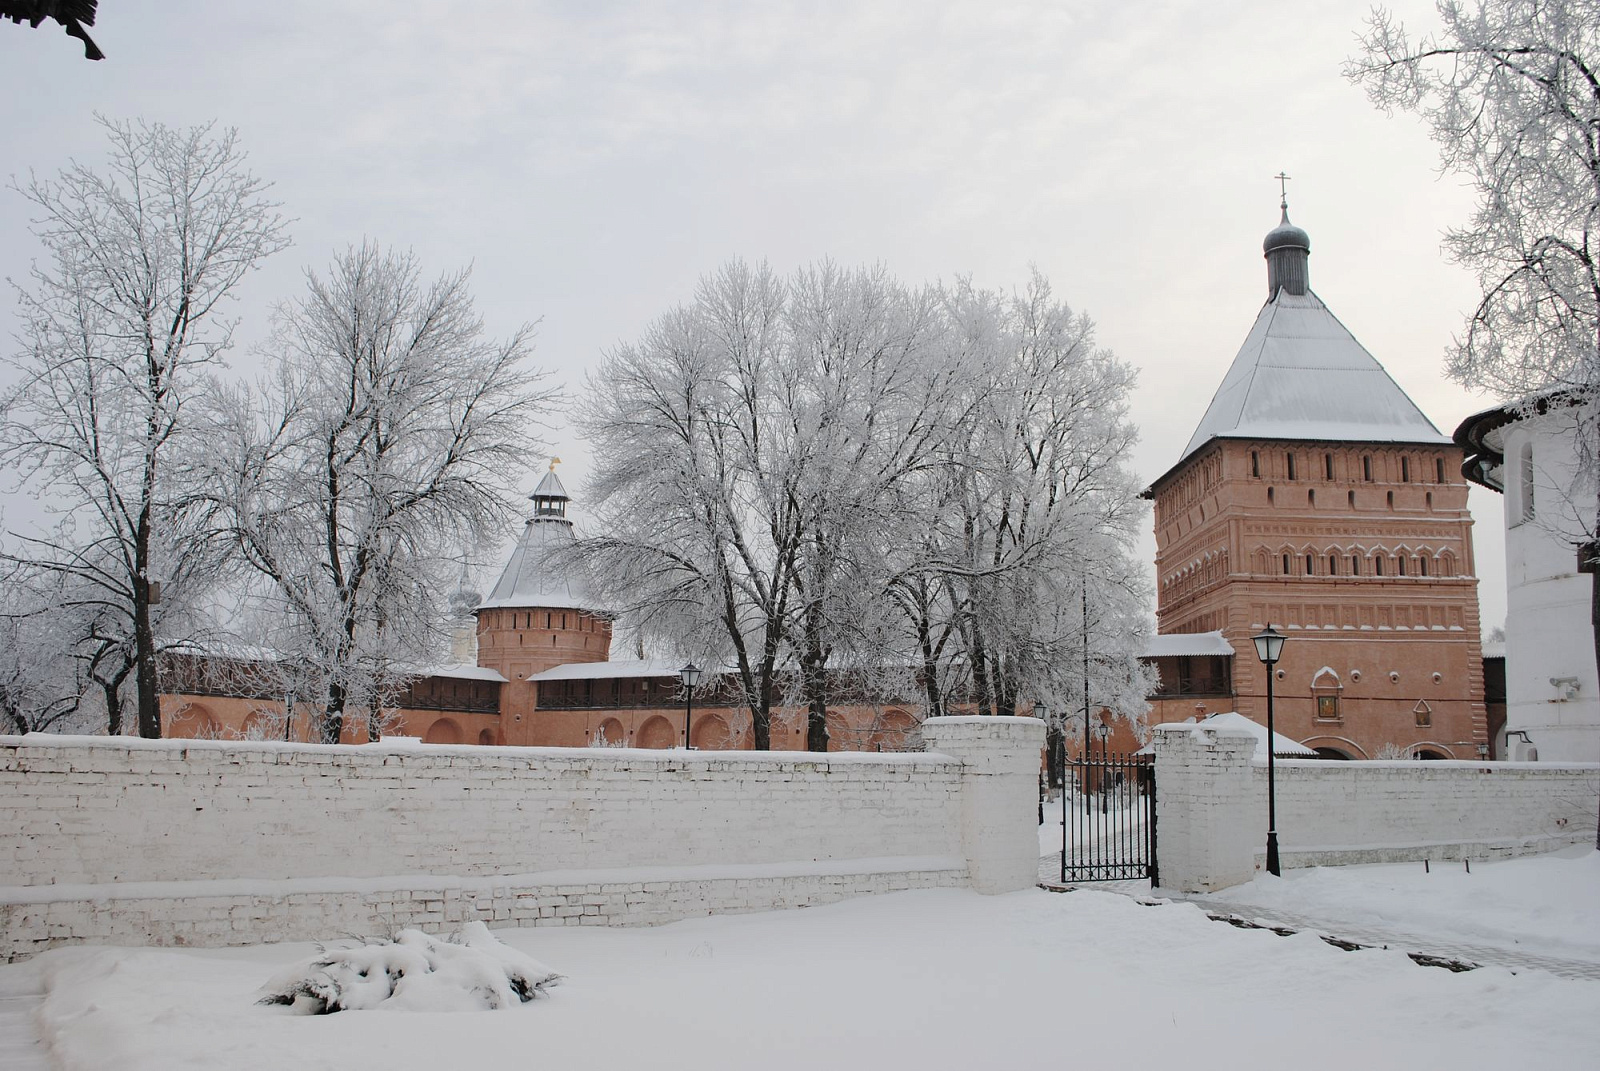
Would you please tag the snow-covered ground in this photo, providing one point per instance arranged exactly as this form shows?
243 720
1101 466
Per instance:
931 979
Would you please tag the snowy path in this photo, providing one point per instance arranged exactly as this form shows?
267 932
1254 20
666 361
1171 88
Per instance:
21 991
1484 955
1531 913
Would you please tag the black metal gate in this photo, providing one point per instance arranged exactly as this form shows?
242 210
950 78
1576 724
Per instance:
1108 818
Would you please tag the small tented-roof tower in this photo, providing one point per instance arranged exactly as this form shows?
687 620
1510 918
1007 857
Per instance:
540 613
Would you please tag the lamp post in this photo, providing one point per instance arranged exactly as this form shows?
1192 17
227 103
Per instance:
1269 648
690 675
288 716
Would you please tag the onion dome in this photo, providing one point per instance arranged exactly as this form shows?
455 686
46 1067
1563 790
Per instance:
1288 252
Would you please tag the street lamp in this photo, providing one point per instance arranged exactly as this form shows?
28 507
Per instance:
1269 648
690 675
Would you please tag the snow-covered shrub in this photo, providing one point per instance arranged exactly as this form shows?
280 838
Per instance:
470 970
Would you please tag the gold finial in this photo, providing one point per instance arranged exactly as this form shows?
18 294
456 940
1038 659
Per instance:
554 462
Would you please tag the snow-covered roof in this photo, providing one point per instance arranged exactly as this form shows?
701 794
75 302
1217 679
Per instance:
534 576
1301 375
550 487
1282 746
460 671
1188 643
622 667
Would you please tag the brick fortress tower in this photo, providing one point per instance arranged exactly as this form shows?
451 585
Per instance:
537 617
1316 496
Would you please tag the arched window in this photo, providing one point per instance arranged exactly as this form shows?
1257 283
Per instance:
1355 565
1526 481
1311 567
1333 565
1366 468
1255 464
1405 470
1311 496
1377 565
1327 465
1400 565
1269 496
1391 500
1422 565
1286 565
1438 470
1352 500
1290 456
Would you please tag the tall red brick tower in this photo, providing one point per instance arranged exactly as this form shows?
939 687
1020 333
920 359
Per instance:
1316 496
537 617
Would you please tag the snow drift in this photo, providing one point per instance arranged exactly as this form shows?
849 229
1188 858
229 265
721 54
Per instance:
471 970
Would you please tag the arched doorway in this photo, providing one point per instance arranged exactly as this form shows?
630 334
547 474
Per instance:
195 722
1428 754
1331 753
262 725
486 737
657 733
443 731
896 730
711 733
610 734
842 736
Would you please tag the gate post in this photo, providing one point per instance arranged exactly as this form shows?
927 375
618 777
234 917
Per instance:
1205 807
999 795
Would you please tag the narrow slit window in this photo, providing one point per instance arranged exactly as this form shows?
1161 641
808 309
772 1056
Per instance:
1311 568
1405 470
1438 470
1286 565
1290 456
1311 496
1327 465
1422 566
1255 464
1355 565
1377 566
1352 500
1366 468
1400 565
1333 565
1391 500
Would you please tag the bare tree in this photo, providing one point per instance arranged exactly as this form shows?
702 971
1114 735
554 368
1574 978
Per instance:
116 326
839 485
698 522
379 448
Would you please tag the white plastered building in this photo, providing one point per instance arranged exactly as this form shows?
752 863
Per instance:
1530 453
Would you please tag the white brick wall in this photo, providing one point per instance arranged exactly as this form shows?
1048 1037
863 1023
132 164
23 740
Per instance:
1211 800
177 842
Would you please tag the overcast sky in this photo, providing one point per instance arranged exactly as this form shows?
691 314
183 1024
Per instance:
591 160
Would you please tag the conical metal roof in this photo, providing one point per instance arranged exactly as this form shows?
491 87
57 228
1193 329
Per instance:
538 574
1301 375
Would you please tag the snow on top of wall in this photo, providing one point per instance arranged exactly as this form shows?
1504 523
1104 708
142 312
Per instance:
459 671
621 667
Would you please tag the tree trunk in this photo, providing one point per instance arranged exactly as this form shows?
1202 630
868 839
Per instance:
112 692
333 716
146 687
930 670
814 685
